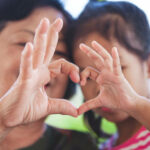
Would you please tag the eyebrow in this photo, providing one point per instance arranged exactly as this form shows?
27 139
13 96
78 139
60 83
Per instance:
28 31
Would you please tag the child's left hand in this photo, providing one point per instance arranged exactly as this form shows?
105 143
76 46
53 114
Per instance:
115 91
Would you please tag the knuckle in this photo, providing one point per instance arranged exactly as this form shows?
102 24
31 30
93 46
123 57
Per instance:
87 69
77 68
62 60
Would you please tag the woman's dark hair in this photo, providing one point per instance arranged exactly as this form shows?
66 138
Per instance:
120 21
14 10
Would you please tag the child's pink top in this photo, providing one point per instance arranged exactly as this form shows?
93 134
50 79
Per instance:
139 141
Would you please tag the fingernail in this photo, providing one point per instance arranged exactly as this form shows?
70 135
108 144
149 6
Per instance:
82 82
46 20
58 24
81 45
76 114
79 112
26 48
77 76
115 48
44 25
93 43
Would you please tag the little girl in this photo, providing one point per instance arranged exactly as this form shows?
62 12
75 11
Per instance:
106 85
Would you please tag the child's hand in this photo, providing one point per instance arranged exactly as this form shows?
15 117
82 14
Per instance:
63 66
115 91
27 101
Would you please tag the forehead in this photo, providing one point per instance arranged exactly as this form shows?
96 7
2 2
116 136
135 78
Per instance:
39 13
125 55
88 38
29 24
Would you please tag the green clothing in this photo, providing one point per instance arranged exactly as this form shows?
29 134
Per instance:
56 140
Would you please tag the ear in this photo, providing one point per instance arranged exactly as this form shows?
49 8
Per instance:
148 67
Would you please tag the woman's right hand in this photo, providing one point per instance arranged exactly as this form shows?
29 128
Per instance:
27 101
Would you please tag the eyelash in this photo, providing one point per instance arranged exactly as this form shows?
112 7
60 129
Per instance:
21 44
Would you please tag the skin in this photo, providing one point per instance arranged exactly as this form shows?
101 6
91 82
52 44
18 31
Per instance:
113 84
32 77
12 42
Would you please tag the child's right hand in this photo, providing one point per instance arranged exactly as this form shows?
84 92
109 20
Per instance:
115 91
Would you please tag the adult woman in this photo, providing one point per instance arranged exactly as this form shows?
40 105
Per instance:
24 107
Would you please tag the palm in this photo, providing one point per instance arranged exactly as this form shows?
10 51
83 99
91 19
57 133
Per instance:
110 85
108 97
115 91
35 107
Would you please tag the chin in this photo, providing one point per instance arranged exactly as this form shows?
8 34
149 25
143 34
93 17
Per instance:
115 119
113 116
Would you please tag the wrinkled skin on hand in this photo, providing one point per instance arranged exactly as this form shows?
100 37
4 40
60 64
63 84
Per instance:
27 101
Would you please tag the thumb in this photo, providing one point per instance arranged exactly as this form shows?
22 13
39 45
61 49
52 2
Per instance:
61 106
91 104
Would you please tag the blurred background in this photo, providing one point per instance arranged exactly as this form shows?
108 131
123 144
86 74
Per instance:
74 7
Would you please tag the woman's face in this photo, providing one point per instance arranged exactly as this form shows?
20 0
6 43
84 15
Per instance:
12 41
133 69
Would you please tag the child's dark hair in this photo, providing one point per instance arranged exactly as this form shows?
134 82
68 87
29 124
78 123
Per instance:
14 10
120 21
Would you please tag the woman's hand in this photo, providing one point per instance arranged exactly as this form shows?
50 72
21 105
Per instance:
115 91
27 101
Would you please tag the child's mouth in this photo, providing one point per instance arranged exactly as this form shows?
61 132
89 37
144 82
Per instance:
105 109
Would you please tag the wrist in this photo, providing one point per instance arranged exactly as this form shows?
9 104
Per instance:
3 128
3 132
132 104
135 105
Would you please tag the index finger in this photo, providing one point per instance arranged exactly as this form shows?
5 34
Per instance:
63 66
94 56
40 42
101 50
88 72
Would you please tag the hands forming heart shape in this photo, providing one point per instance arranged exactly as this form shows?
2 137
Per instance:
27 101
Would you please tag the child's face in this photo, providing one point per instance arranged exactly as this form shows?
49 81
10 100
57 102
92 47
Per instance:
134 70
